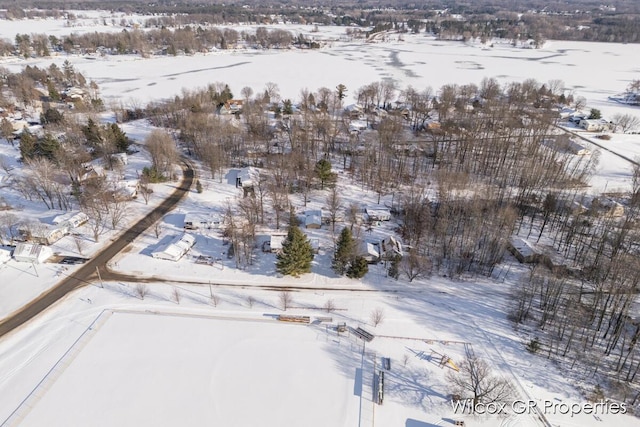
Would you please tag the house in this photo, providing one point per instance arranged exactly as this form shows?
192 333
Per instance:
43 234
32 252
368 251
232 106
276 240
595 125
176 248
313 219
71 219
5 255
390 248
378 213
201 220
567 146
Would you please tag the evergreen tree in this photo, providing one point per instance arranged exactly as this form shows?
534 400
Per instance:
48 147
27 145
296 255
118 137
92 132
358 268
323 171
344 251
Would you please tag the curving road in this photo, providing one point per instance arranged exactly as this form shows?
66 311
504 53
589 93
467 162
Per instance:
88 272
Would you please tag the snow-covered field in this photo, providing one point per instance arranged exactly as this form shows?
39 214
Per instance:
163 362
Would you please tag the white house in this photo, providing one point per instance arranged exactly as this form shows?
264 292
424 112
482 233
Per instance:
42 233
71 219
32 252
176 248
369 251
595 125
201 220
378 213
390 247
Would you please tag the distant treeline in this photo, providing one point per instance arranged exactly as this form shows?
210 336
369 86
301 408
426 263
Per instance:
583 20
185 40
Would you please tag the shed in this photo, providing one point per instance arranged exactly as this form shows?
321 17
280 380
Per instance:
276 241
523 250
176 248
313 219
32 252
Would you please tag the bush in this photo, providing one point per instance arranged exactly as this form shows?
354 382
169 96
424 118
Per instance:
152 175
533 346
198 186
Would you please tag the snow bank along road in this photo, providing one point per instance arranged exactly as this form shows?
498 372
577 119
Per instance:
87 272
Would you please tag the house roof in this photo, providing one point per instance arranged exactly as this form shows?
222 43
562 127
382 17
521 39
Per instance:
31 251
177 247
248 176
276 240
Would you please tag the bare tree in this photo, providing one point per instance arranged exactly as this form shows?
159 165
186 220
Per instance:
77 240
141 290
476 380
215 299
176 295
8 227
377 316
285 300
329 306
626 122
334 203
250 301
162 149
415 266
153 221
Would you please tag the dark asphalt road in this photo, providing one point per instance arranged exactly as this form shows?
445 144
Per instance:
87 273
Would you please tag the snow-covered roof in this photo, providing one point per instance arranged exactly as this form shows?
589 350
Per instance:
31 252
71 219
523 247
276 241
176 248
313 218
248 176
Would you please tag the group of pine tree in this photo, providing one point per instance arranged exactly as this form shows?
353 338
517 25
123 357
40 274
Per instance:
297 254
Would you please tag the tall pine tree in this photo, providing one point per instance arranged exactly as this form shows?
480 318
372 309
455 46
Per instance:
345 249
297 254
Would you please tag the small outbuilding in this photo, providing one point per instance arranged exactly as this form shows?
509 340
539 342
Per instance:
313 219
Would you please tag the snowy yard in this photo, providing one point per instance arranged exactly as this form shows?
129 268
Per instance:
204 371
